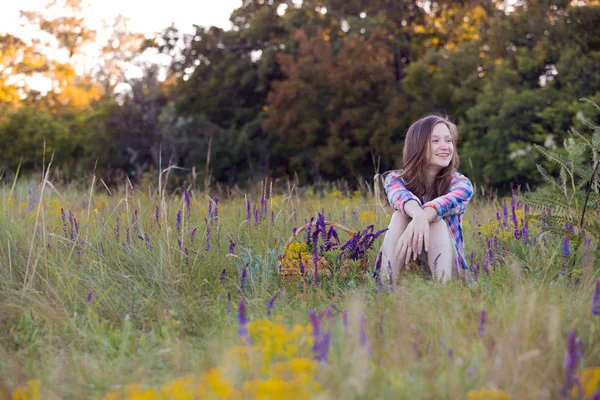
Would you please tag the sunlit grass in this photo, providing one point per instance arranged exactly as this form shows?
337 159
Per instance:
120 298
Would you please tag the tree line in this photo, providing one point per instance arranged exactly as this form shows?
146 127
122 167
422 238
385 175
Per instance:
321 89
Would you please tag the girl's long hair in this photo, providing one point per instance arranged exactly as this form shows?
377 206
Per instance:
414 159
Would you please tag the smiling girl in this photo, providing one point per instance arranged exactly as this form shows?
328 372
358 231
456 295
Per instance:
429 197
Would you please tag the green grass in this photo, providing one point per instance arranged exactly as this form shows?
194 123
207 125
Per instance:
158 313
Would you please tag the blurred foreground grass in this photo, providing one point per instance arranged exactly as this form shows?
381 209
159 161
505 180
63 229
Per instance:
135 294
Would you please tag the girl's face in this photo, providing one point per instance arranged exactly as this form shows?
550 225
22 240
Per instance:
440 148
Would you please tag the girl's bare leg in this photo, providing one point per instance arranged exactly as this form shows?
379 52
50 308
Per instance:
396 228
441 251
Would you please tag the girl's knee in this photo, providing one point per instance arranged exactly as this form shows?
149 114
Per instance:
438 225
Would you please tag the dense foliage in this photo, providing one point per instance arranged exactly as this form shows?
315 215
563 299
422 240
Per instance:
324 89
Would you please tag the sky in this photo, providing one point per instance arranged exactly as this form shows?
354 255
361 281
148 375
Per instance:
144 17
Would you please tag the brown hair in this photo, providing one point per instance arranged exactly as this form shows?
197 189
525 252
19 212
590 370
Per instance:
414 158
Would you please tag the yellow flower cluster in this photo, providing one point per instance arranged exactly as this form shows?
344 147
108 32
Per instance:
497 228
488 394
292 254
275 365
590 381
31 392
367 217
211 386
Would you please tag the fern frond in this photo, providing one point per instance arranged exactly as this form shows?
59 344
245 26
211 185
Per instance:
590 102
546 176
547 201
575 132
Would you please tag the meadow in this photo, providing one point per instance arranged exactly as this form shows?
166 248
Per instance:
174 293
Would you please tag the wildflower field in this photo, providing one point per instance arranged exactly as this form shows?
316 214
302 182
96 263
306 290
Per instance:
147 293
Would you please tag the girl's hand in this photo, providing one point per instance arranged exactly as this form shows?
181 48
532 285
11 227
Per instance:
414 239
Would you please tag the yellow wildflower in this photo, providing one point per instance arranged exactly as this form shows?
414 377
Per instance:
590 381
31 392
367 217
488 394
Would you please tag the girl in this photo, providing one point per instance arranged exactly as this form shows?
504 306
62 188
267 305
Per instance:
429 197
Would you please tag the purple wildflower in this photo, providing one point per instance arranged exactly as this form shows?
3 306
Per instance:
89 298
127 238
249 216
482 323
377 268
571 362
178 222
147 238
363 330
228 301
179 243
242 321
294 229
207 245
64 220
391 272
450 353
345 319
596 299
272 218
118 229
256 215
470 372
295 215
321 340
270 304
570 228
526 232
156 214
222 277
566 249
316 329
216 199
301 264
263 205
231 246
193 234
489 250
316 255
243 278
513 211
186 197
505 213
308 232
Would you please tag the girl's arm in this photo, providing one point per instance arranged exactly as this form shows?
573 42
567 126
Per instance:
398 195
457 199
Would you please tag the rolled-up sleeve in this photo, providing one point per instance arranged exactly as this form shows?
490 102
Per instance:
397 193
457 199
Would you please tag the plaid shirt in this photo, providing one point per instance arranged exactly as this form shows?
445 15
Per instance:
450 206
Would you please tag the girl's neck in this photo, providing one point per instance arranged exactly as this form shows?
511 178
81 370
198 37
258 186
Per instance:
430 175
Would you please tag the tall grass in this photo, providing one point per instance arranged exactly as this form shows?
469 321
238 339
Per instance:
117 292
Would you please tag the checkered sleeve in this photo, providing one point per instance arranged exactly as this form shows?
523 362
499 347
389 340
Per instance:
457 199
397 193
